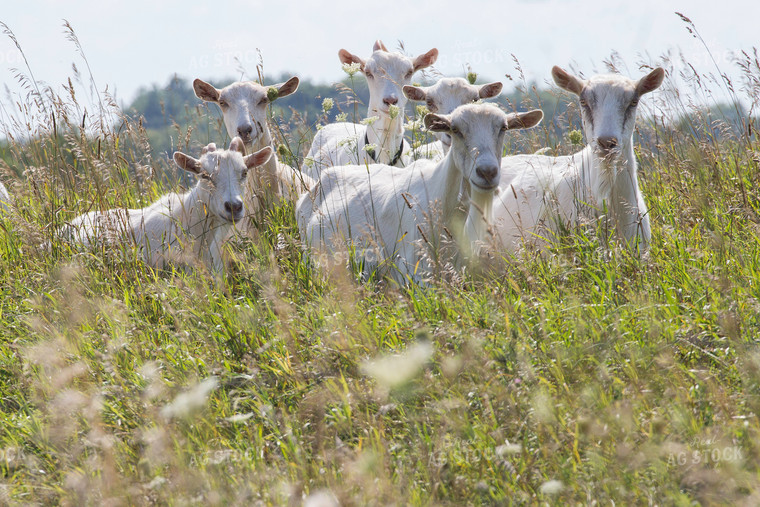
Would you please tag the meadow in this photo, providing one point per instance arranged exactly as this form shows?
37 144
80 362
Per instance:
585 374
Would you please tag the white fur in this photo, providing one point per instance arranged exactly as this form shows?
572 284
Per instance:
392 215
5 198
180 227
243 106
540 195
442 98
344 143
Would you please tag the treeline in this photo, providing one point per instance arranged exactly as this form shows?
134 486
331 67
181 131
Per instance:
173 116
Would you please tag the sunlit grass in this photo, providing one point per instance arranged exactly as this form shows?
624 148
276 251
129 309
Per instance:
582 374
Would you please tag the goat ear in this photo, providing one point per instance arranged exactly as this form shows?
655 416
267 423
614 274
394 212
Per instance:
288 87
349 58
414 93
237 144
259 158
651 81
205 91
208 148
567 81
379 46
524 120
187 163
425 60
437 122
489 90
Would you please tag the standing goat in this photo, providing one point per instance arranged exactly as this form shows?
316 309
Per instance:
381 141
243 106
178 226
388 213
442 98
542 195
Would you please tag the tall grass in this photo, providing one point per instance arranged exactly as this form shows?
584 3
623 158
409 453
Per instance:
583 375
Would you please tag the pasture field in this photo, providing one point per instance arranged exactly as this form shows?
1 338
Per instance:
583 375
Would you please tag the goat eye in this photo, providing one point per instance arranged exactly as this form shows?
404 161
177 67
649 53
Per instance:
368 74
634 102
223 104
409 74
455 130
263 101
584 103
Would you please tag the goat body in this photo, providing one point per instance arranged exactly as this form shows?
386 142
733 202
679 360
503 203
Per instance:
179 227
391 215
381 140
540 195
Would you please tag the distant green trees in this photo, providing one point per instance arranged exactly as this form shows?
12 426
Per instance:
173 116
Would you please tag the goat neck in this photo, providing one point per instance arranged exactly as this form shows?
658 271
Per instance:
387 135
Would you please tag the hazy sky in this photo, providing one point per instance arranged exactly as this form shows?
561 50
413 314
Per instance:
139 43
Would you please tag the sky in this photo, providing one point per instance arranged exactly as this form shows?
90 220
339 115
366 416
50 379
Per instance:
129 45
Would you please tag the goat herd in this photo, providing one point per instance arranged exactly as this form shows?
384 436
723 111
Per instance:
365 191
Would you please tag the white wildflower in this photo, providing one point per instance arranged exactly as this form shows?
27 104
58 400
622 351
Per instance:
351 68
508 448
351 142
191 400
321 498
327 105
552 487
398 369
370 147
413 125
393 111
370 120
341 117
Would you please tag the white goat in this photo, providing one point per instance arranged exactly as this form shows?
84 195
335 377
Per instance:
243 106
387 213
442 98
382 141
5 198
177 226
541 195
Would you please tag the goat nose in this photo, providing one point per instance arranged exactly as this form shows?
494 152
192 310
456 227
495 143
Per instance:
234 208
487 172
607 143
245 130
391 101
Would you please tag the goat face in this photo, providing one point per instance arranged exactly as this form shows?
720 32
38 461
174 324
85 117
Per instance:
244 105
223 174
608 107
387 73
448 94
477 133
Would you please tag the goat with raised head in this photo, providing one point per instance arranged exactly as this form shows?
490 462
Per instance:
382 140
243 106
541 195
